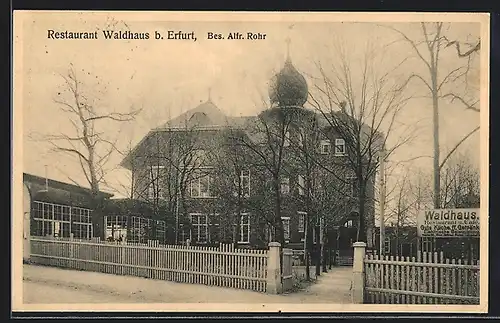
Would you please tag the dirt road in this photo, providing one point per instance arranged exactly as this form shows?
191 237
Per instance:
48 285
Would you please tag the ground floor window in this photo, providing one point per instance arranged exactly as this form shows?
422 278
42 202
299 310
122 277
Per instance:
199 232
286 227
302 221
59 220
140 229
244 234
116 227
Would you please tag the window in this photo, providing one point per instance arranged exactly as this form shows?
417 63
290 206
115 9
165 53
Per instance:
200 186
348 224
302 137
160 233
199 157
244 234
61 220
200 227
352 186
116 227
214 229
301 184
184 233
285 185
340 147
286 141
324 146
302 221
286 227
140 229
244 182
387 245
155 189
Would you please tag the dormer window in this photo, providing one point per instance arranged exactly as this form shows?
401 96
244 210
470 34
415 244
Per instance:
340 147
324 147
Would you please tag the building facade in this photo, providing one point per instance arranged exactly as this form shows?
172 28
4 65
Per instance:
281 175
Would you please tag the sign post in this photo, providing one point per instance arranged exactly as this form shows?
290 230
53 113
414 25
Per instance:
448 223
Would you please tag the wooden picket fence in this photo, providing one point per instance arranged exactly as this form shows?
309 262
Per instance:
428 279
221 266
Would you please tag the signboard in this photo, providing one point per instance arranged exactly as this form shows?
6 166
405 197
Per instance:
448 223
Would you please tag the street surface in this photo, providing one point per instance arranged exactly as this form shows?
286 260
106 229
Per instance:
48 285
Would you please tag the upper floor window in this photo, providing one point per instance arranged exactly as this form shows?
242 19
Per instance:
348 224
352 186
340 147
200 186
198 157
324 146
286 140
286 227
285 185
243 184
155 189
302 137
301 184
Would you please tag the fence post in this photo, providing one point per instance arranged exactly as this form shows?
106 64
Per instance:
273 285
358 269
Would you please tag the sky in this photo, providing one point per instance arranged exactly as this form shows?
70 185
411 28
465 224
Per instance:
166 77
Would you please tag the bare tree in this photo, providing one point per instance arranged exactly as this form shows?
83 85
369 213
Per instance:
89 141
232 185
266 139
454 85
364 114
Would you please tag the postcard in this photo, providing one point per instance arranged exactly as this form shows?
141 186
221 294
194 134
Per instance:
250 161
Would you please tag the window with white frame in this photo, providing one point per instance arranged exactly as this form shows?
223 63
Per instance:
199 223
302 221
155 189
244 182
348 224
59 220
286 227
301 184
244 234
286 140
200 186
285 185
324 146
340 147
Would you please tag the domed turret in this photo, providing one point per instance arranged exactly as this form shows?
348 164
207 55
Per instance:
288 87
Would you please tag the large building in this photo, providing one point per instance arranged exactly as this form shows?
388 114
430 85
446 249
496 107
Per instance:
248 180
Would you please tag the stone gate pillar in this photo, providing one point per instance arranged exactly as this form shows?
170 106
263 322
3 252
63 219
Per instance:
358 273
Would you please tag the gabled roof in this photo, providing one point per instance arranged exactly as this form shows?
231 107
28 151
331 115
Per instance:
206 116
